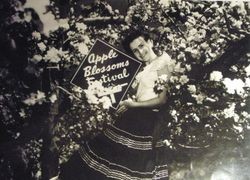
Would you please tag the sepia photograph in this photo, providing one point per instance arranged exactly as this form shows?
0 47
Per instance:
124 90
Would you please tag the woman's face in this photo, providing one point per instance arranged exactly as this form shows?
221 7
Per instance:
142 49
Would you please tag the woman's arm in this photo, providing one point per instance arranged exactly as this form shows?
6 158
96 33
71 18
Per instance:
151 103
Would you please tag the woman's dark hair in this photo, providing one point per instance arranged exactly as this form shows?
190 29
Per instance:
34 14
132 36
36 21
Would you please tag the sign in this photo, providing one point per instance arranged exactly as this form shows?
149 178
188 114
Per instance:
113 68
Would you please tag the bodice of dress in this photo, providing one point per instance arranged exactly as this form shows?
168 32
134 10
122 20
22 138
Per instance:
147 77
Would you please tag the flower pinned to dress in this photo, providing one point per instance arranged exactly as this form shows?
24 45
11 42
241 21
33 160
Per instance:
160 83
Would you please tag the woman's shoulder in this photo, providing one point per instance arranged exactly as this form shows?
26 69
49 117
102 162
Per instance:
162 61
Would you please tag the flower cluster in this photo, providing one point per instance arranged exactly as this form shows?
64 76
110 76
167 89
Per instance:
160 84
94 92
217 106
32 151
89 115
88 112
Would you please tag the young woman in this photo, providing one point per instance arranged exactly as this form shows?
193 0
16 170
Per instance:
127 150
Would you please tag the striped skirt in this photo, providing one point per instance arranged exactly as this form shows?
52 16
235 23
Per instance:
125 150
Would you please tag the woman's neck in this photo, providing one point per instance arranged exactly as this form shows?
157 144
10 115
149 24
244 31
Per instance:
153 57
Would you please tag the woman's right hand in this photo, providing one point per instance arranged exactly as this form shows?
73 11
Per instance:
124 105
122 109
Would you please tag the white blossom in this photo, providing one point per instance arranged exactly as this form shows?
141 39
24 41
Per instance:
229 112
236 117
239 128
38 174
70 33
86 39
35 98
81 26
36 58
182 45
196 118
242 104
207 126
235 85
183 79
230 89
54 55
99 117
106 102
247 82
41 46
188 67
91 98
199 98
165 2
173 112
30 101
193 31
234 68
40 96
204 45
247 70
173 79
94 84
192 89
83 49
178 68
36 35
22 113
63 23
53 98
195 53
114 35
245 114
216 76
163 77
95 89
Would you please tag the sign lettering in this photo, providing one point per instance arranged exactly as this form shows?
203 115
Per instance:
113 68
